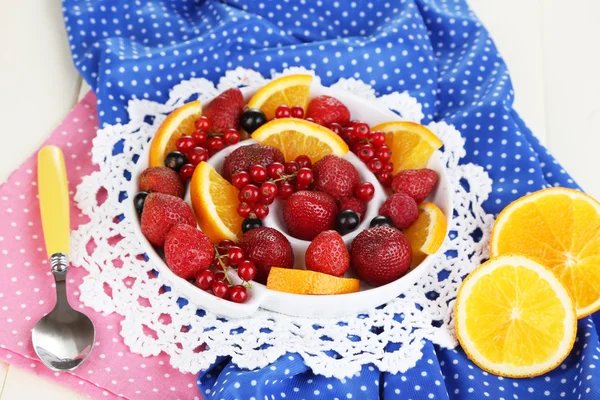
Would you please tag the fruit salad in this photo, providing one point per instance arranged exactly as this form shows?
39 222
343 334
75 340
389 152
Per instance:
291 150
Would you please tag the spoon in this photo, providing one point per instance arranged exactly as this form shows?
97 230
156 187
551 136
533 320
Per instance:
64 338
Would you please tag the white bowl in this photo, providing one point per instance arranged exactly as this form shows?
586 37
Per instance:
294 304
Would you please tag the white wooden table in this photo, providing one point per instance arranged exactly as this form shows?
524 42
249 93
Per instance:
550 48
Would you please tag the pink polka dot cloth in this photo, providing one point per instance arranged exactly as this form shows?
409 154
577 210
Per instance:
27 288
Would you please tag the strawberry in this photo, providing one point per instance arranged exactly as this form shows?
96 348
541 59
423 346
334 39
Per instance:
335 176
188 251
161 180
354 204
306 214
326 110
380 255
266 248
225 110
327 253
417 183
242 158
401 209
161 213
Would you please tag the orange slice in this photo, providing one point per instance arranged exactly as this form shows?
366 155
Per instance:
559 228
295 137
215 203
426 235
301 281
411 144
291 90
180 122
514 318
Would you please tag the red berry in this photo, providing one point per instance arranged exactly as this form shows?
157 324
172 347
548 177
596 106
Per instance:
215 144
385 178
244 209
335 127
283 111
220 289
365 191
197 155
249 194
231 136
365 152
348 135
200 137
291 167
261 210
389 167
185 143
375 165
238 294
258 173
301 186
384 153
236 255
246 270
275 170
203 124
297 112
268 191
241 179
309 119
377 139
304 161
285 190
226 243
304 176
186 171
361 130
205 279
220 276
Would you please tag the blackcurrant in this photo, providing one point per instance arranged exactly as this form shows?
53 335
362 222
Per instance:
138 201
380 220
250 223
346 221
175 160
252 119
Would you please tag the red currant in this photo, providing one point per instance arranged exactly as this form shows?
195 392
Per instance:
260 210
226 243
365 152
220 289
283 111
205 279
375 165
258 173
304 176
231 136
291 167
377 139
335 127
238 294
241 179
186 171
203 124
200 137
301 186
365 191
185 143
246 270
361 130
385 178
197 155
220 277
275 170
215 144
389 167
249 194
297 112
348 135
268 191
244 209
285 190
384 153
304 161
236 255
309 119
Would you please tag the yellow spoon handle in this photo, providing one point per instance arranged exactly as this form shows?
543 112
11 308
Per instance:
54 199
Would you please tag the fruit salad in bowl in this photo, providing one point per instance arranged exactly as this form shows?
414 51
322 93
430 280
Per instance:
292 197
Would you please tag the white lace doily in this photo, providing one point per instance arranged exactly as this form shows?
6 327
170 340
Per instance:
153 317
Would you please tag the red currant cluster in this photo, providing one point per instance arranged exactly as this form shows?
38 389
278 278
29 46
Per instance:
369 146
260 185
228 255
284 111
202 144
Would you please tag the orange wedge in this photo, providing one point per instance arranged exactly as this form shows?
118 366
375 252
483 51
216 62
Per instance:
291 90
514 318
426 235
560 229
215 203
411 144
301 281
180 122
295 137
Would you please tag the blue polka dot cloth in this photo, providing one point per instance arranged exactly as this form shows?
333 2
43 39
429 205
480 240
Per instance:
437 50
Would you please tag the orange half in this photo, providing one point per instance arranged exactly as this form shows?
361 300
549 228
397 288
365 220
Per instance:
426 235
